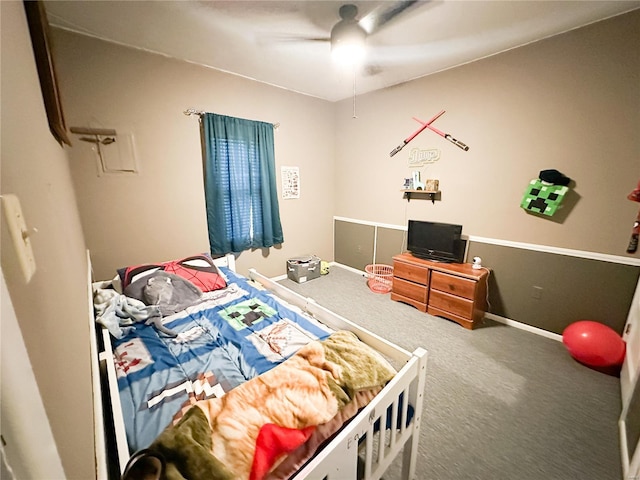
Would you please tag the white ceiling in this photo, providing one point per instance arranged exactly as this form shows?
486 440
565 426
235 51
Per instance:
259 39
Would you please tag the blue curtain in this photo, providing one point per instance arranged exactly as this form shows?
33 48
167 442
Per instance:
240 184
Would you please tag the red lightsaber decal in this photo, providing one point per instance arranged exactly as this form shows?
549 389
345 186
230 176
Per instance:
428 125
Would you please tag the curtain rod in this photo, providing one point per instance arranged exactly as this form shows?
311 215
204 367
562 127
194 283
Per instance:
193 111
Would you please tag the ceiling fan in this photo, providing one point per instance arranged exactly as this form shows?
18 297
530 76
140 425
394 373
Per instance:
370 23
348 36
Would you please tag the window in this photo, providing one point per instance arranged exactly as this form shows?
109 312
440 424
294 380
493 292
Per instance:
240 184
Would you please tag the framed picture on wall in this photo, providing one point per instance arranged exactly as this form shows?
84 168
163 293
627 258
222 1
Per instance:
40 40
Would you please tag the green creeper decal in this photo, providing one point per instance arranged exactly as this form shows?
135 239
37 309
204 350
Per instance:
542 197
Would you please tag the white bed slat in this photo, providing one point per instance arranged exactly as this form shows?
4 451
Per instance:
405 411
394 421
383 434
368 449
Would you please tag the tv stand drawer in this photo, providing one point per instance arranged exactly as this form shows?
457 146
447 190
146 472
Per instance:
411 290
411 272
446 302
462 287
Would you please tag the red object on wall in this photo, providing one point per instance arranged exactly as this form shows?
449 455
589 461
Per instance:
595 345
634 196
635 231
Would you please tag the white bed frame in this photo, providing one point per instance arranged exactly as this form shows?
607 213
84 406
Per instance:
338 459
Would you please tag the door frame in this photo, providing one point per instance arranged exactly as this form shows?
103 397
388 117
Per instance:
629 383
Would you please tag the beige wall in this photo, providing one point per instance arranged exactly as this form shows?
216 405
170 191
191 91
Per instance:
570 103
567 103
159 214
52 308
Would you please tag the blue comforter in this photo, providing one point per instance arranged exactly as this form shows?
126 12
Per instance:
231 336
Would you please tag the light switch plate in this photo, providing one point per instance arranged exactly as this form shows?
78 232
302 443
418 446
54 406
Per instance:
19 234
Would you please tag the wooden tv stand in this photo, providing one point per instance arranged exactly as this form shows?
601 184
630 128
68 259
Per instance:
455 291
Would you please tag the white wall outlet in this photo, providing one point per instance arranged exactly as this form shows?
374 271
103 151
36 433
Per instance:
19 234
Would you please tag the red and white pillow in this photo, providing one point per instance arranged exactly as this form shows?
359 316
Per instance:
198 269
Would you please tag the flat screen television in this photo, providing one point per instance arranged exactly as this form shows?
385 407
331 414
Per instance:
440 242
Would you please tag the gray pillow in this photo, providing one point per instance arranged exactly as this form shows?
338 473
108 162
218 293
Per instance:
169 292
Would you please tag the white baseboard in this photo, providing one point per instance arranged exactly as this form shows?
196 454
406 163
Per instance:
523 326
346 267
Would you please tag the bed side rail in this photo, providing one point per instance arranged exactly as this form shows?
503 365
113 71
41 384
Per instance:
99 436
110 441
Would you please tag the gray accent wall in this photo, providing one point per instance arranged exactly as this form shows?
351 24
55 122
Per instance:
353 244
389 242
541 289
551 291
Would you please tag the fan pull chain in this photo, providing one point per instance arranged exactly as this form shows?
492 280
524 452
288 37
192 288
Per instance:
354 92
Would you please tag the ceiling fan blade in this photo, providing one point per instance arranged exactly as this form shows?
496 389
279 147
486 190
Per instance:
282 39
300 38
378 18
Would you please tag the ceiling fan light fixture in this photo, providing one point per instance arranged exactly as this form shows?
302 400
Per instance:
348 42
348 54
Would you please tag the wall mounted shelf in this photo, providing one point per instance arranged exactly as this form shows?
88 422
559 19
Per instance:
431 194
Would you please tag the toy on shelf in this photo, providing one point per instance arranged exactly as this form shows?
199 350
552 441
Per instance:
432 185
428 125
417 184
